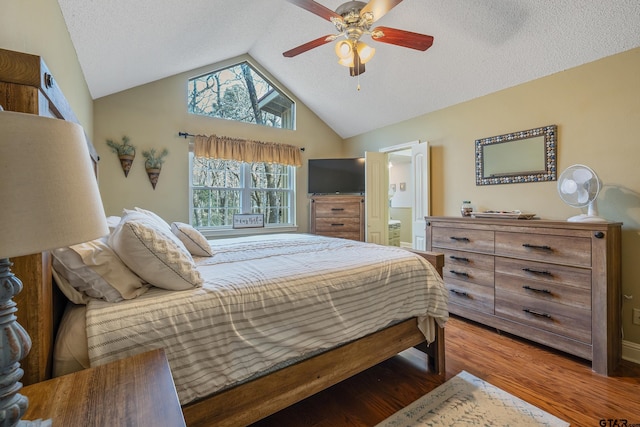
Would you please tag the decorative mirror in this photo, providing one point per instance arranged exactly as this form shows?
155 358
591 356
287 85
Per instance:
526 156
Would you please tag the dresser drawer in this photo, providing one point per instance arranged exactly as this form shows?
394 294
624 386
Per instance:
462 239
545 247
567 321
468 267
341 234
337 224
337 210
552 283
470 295
578 279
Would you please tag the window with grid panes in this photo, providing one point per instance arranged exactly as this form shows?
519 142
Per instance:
222 188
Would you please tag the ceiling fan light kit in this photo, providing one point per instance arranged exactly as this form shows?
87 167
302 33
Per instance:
352 20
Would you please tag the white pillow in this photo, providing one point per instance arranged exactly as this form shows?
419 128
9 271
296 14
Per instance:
154 216
69 291
112 222
154 254
192 239
93 269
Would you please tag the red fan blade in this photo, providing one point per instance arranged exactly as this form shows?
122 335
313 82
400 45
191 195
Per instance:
379 7
308 46
316 8
402 38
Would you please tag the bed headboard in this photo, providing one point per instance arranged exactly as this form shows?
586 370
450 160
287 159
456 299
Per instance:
27 86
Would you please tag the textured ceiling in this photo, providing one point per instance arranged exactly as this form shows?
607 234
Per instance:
480 46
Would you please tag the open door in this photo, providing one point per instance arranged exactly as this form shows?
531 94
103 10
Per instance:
377 199
420 179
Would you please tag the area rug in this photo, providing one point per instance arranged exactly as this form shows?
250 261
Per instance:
466 400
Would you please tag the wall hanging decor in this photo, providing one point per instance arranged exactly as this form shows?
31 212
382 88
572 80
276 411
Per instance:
153 164
125 151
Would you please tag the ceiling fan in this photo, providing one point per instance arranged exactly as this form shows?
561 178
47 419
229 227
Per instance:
353 20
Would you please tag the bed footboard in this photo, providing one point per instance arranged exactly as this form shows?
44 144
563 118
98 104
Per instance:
252 401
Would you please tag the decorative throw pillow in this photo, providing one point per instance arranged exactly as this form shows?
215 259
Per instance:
93 269
154 254
192 239
154 216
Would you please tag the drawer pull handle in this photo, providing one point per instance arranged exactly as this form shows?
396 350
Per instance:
460 293
542 291
337 225
537 313
459 273
459 239
337 209
459 258
542 247
541 272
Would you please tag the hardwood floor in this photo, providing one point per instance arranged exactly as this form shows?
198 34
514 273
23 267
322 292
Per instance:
560 384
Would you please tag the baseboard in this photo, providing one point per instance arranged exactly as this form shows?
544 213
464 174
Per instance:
406 245
631 352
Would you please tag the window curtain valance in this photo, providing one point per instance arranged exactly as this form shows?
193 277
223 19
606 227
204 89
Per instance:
222 147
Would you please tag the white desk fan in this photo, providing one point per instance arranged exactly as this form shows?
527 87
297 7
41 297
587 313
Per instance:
579 186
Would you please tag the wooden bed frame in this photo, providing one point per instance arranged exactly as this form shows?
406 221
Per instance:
256 399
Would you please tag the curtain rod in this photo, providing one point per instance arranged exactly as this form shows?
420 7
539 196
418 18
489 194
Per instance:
186 134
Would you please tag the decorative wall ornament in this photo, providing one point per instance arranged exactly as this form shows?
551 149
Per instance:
125 151
153 164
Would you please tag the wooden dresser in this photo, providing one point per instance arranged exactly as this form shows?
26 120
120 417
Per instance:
27 86
553 282
338 216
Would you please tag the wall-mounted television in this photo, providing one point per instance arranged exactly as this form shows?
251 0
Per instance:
331 176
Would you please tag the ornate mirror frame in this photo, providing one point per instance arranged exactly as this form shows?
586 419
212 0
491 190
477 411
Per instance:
525 156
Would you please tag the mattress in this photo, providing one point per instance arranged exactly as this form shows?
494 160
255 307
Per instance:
266 301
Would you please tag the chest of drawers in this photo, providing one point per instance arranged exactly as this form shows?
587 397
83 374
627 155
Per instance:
338 216
553 282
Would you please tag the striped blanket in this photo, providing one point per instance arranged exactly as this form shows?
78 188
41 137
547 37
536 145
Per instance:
267 300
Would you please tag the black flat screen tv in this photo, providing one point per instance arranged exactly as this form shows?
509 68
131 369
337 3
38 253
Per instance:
331 176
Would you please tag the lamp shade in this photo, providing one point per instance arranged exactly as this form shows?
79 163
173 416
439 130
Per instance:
49 196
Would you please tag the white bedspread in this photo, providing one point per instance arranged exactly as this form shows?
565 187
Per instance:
266 300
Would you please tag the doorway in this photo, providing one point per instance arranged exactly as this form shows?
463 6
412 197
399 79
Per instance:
398 195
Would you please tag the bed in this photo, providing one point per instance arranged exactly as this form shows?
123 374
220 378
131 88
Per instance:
256 324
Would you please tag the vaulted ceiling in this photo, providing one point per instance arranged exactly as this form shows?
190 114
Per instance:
480 46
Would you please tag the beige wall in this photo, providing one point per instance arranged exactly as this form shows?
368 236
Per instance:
153 114
37 27
597 110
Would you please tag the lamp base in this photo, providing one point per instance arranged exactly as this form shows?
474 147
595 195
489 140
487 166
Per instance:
14 346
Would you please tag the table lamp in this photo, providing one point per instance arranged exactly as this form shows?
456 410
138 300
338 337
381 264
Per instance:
49 198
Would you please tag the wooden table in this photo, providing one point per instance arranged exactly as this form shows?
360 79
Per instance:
136 391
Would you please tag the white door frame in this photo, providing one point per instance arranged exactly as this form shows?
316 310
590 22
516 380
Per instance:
420 196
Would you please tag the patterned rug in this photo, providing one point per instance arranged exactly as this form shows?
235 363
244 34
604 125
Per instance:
466 400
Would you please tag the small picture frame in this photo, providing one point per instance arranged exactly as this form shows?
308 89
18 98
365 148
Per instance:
248 220
403 186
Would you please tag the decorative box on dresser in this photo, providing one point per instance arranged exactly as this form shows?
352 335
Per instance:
553 282
27 86
338 216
